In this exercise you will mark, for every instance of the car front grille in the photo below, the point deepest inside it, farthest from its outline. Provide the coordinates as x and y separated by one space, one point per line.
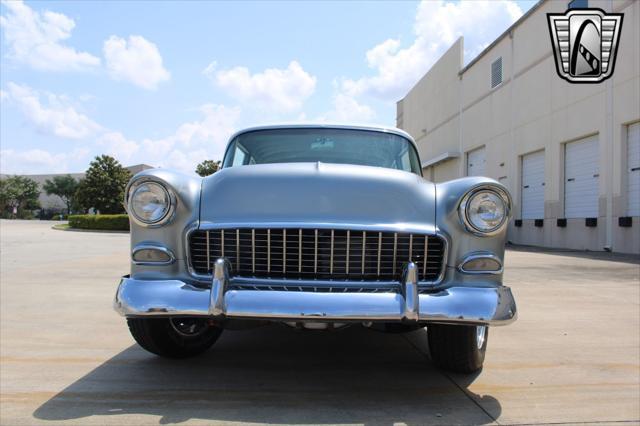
317 254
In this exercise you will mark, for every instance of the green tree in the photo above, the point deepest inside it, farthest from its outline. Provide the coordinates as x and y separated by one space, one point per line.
64 187
207 167
103 186
19 194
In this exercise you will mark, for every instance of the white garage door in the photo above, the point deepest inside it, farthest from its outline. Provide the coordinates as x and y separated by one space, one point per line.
633 170
476 162
533 186
581 172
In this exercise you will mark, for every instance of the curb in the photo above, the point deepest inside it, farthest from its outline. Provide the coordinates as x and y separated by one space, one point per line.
95 231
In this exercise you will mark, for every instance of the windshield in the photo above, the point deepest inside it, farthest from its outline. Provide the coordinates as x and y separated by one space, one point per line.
339 146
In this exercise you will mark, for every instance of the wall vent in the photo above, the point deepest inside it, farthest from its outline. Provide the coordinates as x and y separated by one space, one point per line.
496 72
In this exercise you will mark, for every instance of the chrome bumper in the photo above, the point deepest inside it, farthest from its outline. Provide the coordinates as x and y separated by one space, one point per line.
465 305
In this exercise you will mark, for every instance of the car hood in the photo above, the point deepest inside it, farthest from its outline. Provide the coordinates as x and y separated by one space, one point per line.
318 194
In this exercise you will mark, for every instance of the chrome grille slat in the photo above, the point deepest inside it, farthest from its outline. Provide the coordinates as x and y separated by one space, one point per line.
331 255
299 250
237 249
410 246
425 257
322 254
284 251
268 250
253 250
347 260
208 250
379 249
315 253
395 250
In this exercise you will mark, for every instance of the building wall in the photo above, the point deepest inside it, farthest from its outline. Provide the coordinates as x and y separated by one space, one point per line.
454 109
53 202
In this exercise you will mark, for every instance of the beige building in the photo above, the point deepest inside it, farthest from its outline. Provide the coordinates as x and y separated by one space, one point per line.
569 153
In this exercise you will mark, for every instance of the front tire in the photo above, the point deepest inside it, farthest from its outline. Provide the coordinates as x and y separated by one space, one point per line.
174 337
458 348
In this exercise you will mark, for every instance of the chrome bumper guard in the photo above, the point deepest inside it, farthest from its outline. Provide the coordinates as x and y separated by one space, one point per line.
465 305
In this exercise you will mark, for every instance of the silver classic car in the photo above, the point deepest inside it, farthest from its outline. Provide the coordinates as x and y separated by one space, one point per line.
316 227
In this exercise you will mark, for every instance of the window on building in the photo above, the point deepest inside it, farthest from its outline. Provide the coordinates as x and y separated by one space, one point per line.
496 72
578 4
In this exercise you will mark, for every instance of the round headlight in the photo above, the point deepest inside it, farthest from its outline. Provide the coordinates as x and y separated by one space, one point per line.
485 211
149 202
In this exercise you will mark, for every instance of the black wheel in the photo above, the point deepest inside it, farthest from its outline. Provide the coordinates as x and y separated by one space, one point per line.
174 337
458 348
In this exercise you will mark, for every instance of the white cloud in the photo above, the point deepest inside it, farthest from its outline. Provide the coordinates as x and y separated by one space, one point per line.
194 141
38 161
190 144
137 61
438 24
56 116
116 145
349 110
274 89
35 38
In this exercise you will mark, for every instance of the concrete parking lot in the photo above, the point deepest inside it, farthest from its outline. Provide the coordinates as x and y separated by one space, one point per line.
66 358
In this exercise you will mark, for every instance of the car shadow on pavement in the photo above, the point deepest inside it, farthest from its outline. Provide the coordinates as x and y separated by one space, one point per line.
275 374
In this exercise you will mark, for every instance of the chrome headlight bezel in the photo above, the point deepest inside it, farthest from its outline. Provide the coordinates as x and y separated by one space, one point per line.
170 195
463 210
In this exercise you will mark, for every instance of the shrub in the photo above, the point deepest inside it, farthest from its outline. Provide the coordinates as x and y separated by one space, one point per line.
111 222
51 214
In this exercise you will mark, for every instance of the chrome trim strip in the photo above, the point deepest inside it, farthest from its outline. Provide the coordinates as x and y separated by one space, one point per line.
389 227
152 246
189 229
455 305
222 243
481 255
277 282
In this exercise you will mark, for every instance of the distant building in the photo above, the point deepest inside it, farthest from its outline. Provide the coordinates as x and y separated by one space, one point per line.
53 202
569 153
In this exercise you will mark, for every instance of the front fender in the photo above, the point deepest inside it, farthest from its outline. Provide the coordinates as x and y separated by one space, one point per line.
462 242
170 235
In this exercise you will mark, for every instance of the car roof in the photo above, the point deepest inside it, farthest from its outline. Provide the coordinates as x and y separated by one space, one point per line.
370 127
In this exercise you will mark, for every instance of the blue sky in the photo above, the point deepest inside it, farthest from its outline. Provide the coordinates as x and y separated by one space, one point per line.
166 83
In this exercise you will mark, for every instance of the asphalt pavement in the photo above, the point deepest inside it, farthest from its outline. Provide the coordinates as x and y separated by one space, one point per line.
573 356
